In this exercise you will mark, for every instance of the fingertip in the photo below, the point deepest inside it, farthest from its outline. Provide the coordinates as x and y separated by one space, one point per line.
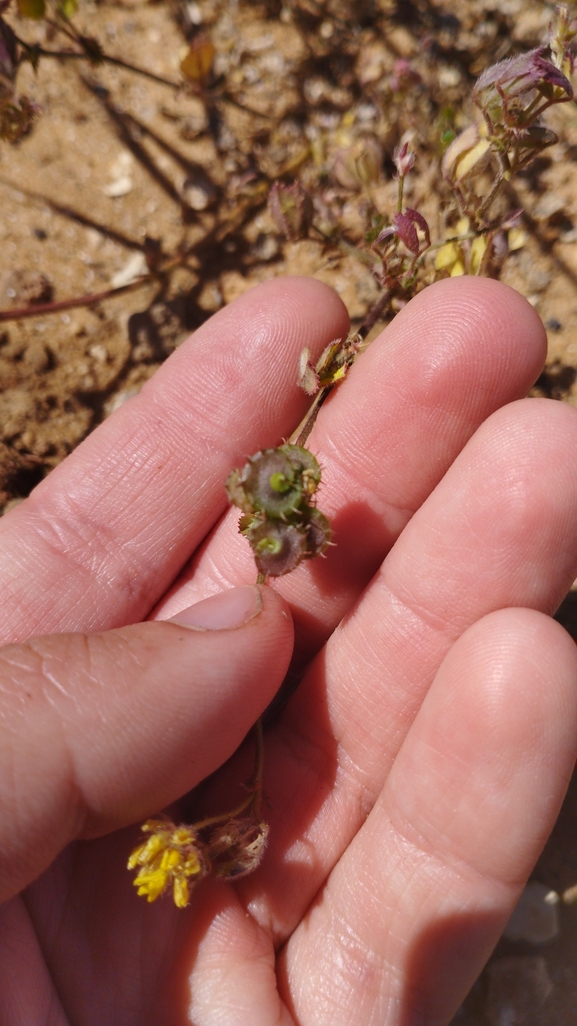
483 302
287 311
495 320
495 742
302 295
524 667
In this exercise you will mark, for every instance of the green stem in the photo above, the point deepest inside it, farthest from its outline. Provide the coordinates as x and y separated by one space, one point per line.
400 193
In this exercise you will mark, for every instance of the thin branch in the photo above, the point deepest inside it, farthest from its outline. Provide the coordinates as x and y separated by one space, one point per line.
373 315
68 304
300 436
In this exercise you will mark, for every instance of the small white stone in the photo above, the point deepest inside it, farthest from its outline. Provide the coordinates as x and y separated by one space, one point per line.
98 352
132 269
119 187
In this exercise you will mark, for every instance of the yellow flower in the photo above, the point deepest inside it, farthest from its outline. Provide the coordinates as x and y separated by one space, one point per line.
170 856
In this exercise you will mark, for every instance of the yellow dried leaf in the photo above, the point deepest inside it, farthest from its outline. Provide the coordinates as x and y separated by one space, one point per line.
32 8
196 65
472 161
447 256
478 250
516 239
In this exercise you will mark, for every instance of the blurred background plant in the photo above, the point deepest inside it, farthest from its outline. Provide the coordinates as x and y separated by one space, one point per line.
160 158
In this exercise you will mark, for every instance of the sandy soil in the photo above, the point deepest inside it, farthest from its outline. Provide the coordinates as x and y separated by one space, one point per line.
120 168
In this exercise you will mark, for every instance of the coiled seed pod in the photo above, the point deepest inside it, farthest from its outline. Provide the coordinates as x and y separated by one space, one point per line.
275 481
274 490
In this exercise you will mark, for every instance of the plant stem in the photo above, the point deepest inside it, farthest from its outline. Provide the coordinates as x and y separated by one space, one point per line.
255 787
256 784
401 187
373 315
300 436
68 304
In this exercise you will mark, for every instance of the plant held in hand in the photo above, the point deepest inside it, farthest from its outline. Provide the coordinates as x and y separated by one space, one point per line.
275 490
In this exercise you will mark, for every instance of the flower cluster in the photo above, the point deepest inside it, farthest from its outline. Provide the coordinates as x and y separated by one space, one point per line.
171 855
176 856
275 490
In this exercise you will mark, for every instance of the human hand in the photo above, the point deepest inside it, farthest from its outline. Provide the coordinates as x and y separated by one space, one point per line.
414 775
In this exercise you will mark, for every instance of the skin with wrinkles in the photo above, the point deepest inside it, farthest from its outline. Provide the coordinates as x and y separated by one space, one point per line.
412 778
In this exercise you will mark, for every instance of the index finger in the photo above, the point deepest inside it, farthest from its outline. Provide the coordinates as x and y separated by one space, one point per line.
97 544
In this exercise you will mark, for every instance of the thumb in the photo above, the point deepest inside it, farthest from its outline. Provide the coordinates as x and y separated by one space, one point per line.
99 730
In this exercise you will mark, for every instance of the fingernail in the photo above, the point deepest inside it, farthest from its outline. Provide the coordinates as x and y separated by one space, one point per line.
223 611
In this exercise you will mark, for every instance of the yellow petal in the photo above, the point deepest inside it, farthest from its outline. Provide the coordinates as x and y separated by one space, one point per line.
457 269
182 835
192 865
145 853
170 860
150 884
180 892
134 859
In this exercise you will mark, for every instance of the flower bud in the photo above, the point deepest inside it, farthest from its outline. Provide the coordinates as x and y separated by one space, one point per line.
403 159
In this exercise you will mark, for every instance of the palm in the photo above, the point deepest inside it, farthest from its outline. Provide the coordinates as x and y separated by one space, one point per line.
401 776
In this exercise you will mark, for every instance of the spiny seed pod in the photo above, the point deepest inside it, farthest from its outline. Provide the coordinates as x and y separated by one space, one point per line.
275 482
278 547
318 534
275 491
